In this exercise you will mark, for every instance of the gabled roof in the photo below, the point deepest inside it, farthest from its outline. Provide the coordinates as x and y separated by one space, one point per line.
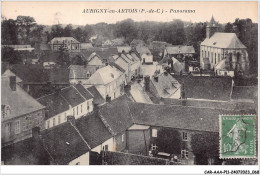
64 143
104 75
113 64
166 85
204 87
72 96
93 130
179 117
142 50
180 49
84 92
98 99
59 40
117 115
19 101
40 75
212 22
224 40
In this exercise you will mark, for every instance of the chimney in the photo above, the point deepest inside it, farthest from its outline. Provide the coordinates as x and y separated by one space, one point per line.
147 83
95 108
12 83
71 119
156 78
36 132
108 99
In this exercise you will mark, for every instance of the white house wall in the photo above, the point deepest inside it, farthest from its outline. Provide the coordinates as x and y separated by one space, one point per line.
82 160
110 144
63 115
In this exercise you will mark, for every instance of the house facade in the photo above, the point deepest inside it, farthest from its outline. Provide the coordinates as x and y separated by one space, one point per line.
109 81
74 100
20 112
69 43
95 62
220 46
131 63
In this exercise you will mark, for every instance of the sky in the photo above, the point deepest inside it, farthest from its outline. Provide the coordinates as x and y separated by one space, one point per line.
48 13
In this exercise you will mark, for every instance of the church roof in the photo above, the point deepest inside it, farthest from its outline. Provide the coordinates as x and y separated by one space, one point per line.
212 22
224 40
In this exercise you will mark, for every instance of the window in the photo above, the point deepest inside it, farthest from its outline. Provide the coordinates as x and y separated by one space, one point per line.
184 154
48 124
81 108
154 146
8 129
154 132
59 119
88 104
54 121
202 53
17 127
27 123
184 136
123 136
78 163
77 110
106 147
73 112
65 116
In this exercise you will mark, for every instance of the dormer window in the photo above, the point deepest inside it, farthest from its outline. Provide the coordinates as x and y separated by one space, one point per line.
214 43
112 75
6 111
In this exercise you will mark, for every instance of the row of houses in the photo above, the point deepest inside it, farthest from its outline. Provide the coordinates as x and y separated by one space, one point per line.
118 126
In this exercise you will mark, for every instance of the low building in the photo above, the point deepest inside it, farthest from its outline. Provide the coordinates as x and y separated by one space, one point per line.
74 100
38 81
179 52
69 43
20 112
145 54
20 47
85 46
109 81
163 85
131 63
78 74
95 62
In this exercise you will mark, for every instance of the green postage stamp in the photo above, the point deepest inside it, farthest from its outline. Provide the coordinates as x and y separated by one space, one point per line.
237 136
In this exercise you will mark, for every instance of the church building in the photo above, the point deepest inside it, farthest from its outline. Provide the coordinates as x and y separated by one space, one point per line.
222 52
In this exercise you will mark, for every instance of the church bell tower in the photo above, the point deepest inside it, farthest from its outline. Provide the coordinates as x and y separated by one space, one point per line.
211 28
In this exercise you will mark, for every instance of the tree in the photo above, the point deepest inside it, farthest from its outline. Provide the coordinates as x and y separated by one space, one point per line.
36 34
57 31
169 141
9 55
64 58
77 60
9 32
25 23
205 147
126 29
68 30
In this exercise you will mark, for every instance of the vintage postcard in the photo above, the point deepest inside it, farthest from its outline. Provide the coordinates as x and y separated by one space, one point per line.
129 83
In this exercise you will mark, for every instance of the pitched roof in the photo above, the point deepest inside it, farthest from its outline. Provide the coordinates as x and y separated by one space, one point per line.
40 75
203 87
71 95
77 71
180 49
64 143
224 40
104 75
19 101
126 49
59 40
98 99
244 92
93 130
117 114
142 50
113 64
166 85
55 104
83 91
179 117
212 22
